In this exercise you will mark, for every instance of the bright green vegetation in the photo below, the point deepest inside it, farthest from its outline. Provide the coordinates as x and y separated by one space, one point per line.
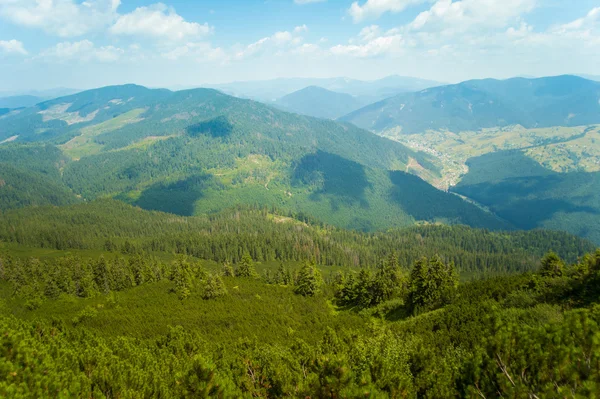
319 102
199 151
84 145
135 325
530 196
477 104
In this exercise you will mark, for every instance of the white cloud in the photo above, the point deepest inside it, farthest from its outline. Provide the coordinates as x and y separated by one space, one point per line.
466 14
376 8
64 18
375 47
82 51
277 42
201 52
301 28
369 33
12 46
158 21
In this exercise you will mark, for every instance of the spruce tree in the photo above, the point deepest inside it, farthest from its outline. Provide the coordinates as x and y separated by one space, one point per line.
309 280
246 267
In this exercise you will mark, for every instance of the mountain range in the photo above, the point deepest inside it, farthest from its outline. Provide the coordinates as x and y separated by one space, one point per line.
369 91
552 101
198 151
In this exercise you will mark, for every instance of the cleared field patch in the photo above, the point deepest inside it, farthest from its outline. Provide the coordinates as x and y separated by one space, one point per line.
83 144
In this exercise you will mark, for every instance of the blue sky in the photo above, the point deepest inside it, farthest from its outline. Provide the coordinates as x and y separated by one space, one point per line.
176 43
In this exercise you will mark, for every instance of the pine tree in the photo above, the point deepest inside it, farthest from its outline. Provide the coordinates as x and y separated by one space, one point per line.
214 287
309 280
182 277
228 270
246 267
552 265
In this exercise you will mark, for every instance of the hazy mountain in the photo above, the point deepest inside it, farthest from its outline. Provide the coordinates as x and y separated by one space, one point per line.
20 101
319 102
552 101
199 151
370 91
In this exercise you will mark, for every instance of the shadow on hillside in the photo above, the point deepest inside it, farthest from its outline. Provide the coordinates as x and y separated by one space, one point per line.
177 197
219 127
528 202
343 182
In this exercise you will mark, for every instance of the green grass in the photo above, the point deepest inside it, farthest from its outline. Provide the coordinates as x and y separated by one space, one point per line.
83 145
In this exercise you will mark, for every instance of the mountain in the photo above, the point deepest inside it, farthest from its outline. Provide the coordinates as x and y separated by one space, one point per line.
473 105
20 101
201 151
369 91
318 102
520 190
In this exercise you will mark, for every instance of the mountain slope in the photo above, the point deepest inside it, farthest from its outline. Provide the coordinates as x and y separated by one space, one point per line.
472 105
318 102
200 151
521 191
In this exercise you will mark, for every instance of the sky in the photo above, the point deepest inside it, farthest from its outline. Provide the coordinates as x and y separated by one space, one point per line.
184 43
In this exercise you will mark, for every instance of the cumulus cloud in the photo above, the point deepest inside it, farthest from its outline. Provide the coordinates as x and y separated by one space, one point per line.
64 18
158 21
376 8
12 47
466 14
277 42
83 51
378 46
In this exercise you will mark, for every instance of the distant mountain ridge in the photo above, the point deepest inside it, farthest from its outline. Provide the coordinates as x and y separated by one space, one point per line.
370 91
319 102
543 102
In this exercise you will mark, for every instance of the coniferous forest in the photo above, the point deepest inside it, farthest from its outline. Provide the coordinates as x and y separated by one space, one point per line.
313 229
107 300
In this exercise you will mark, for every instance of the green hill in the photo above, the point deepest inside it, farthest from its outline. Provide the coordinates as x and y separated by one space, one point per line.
320 103
200 151
530 196
476 104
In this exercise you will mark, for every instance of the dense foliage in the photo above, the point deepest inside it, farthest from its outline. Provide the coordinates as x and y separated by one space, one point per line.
523 335
268 236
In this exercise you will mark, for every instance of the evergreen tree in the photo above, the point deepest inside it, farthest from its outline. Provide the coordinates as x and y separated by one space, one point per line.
309 280
228 270
182 277
246 267
552 265
432 284
214 287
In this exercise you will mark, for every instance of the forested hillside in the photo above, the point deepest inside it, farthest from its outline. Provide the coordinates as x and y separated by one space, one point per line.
530 196
129 323
477 104
201 151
